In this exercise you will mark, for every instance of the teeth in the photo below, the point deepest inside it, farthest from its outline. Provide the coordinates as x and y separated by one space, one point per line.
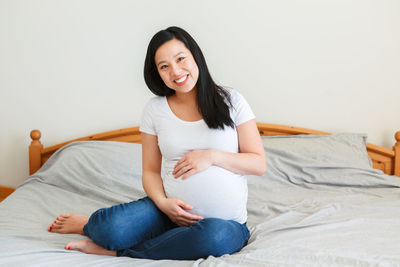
181 79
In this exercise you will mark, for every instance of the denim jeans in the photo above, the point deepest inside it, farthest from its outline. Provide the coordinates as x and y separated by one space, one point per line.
140 230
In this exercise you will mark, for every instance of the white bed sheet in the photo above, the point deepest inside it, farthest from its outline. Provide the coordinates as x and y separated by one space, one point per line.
302 211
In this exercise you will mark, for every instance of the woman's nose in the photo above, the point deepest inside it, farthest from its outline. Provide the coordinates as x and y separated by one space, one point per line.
175 69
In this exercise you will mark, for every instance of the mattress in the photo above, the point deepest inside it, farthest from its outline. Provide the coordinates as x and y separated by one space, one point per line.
319 204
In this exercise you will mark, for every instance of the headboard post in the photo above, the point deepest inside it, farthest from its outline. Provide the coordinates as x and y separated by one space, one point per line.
396 149
35 151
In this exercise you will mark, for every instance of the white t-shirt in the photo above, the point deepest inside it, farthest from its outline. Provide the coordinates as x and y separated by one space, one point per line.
215 192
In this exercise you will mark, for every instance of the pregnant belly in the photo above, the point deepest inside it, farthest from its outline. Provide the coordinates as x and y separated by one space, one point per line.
214 192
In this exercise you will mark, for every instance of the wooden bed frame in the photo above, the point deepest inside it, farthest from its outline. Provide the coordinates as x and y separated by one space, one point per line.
384 159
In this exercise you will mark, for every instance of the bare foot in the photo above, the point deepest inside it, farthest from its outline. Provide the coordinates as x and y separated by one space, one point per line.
69 223
89 247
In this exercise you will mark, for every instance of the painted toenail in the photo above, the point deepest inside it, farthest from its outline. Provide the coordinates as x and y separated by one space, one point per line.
68 247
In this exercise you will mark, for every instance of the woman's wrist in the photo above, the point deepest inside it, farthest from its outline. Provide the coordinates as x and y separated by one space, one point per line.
159 200
215 156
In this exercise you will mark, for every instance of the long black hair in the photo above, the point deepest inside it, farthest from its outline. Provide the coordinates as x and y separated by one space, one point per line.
213 100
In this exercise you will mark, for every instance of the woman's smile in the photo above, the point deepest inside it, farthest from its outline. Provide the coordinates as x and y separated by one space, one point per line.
181 81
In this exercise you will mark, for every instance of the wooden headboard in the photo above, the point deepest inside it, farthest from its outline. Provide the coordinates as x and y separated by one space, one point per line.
384 159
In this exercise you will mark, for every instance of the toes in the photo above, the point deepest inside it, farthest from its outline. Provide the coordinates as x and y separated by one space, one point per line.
52 226
58 221
68 223
63 216
68 246
59 229
88 246
55 228
75 245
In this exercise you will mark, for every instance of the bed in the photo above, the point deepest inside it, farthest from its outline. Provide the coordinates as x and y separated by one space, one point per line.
325 200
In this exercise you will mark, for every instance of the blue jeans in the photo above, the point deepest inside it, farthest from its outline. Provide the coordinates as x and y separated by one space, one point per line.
140 230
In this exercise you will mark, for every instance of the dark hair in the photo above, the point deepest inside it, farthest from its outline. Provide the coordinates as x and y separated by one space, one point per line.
213 100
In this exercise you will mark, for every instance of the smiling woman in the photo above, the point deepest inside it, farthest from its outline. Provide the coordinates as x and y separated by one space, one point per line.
176 66
208 139
178 70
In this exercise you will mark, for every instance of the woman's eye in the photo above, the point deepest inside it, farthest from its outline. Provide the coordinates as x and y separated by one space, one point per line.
180 59
163 67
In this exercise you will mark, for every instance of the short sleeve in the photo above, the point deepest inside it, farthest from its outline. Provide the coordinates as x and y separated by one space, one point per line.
241 112
147 120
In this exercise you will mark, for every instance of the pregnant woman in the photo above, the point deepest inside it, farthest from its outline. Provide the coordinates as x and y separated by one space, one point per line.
207 138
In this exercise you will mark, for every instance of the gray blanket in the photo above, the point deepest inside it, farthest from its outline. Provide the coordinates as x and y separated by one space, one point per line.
311 208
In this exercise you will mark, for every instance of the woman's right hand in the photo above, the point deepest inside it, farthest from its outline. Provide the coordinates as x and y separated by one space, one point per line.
175 209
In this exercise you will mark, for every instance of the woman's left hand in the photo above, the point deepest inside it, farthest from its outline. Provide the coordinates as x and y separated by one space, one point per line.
193 162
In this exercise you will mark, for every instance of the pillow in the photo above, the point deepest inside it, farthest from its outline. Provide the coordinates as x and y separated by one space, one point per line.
334 160
323 160
103 170
344 149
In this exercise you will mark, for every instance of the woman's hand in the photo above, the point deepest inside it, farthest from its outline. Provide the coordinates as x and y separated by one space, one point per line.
192 162
175 209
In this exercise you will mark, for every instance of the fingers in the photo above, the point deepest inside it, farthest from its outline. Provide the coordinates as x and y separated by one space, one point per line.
176 209
190 217
181 160
184 205
181 168
183 171
187 174
192 162
185 222
186 217
179 163
183 165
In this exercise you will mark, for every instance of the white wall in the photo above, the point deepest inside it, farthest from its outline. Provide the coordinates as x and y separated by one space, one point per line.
74 68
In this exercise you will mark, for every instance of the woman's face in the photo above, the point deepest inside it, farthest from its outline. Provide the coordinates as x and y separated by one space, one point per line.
176 66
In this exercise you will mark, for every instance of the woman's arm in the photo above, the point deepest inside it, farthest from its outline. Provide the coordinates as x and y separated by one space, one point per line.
251 156
249 160
151 166
153 185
